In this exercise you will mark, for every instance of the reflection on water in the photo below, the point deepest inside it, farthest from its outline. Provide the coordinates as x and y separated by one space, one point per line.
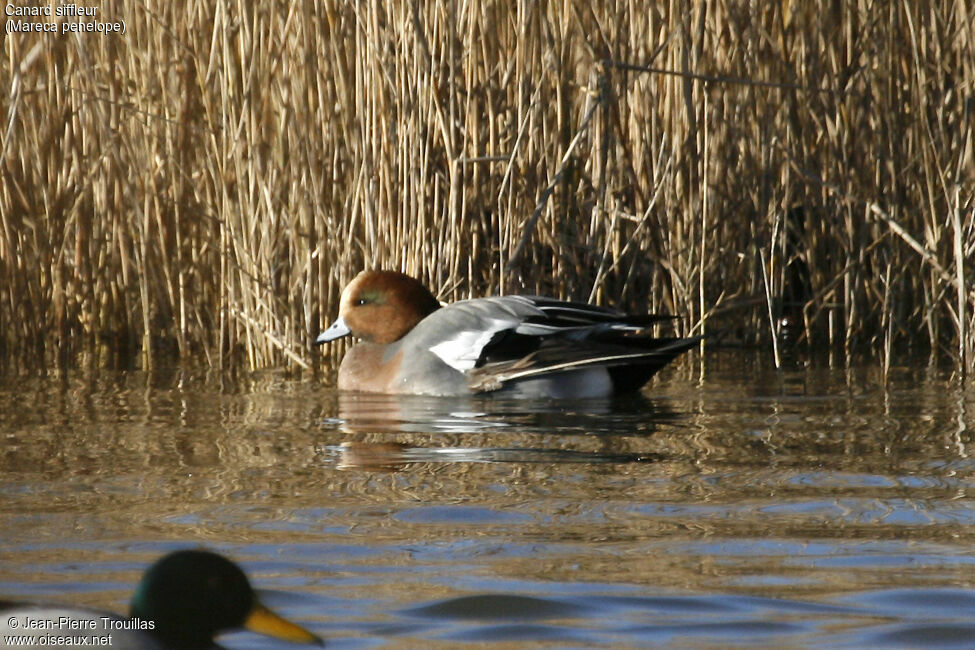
814 506
363 412
391 455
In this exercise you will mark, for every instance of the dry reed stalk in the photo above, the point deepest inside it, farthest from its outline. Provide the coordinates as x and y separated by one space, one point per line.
209 181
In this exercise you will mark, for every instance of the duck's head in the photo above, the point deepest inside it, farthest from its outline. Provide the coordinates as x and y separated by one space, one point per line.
380 307
190 596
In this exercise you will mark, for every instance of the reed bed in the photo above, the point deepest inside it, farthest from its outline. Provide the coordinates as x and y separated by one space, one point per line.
205 184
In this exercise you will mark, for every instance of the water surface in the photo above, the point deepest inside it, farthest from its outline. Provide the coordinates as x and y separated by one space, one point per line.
729 505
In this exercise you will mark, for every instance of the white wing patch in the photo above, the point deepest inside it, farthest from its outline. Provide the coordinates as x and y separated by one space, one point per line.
462 350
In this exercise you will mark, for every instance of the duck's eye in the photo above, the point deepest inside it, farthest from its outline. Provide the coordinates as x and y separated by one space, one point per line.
368 298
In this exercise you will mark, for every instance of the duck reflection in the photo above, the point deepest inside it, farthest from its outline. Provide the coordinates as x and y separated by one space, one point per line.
371 412
485 430
391 456
373 456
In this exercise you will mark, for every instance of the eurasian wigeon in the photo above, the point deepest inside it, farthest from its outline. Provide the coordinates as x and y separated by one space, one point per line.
523 346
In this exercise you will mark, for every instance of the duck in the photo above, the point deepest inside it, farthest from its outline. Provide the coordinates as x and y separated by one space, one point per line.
514 345
182 602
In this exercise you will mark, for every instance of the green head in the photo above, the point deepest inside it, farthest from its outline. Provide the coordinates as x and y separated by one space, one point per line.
191 596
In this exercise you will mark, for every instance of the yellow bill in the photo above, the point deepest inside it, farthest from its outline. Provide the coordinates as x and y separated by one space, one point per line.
264 621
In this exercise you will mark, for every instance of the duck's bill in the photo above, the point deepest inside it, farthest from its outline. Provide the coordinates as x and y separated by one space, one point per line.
264 621
336 330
